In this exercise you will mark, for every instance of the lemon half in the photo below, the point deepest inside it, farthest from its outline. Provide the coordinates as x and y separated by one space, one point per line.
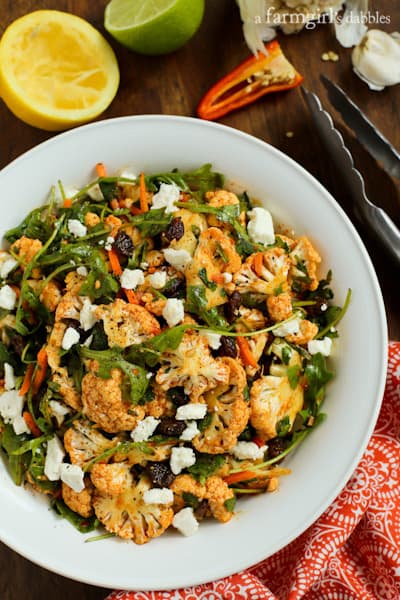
56 70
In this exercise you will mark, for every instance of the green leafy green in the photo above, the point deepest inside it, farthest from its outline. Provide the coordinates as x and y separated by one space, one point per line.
283 426
200 180
108 188
17 463
36 225
205 466
317 376
230 503
152 222
190 500
196 302
293 374
204 278
150 351
203 423
82 524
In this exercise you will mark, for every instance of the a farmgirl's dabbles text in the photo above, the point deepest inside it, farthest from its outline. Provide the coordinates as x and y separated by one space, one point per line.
162 349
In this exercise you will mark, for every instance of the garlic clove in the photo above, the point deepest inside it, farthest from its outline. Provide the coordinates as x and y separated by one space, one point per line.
376 60
350 27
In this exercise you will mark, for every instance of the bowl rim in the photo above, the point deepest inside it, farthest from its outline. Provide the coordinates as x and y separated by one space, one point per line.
239 563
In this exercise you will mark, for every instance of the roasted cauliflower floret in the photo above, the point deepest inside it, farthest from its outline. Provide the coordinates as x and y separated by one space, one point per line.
26 248
104 404
250 319
257 345
192 366
69 306
194 224
111 479
217 493
73 282
79 502
126 324
51 296
279 307
271 400
264 277
304 255
229 412
91 219
67 389
160 406
307 331
84 443
186 484
214 255
129 517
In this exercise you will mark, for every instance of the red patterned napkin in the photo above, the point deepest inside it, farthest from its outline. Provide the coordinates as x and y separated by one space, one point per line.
351 553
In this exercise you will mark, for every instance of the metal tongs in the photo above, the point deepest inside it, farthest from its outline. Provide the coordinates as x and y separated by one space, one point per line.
376 144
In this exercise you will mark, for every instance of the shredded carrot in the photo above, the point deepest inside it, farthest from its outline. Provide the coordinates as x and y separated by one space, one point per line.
259 263
242 476
258 441
26 384
67 203
218 278
114 204
246 353
135 210
144 206
101 170
114 262
29 420
131 296
40 371
184 197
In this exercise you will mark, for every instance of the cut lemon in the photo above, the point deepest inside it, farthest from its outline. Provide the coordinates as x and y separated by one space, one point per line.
56 70
153 27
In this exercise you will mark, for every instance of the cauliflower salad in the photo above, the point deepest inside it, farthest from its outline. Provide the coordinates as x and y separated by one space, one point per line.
162 349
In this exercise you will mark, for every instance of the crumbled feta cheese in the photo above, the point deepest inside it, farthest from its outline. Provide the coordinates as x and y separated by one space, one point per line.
248 451
260 226
9 378
87 342
158 279
290 328
323 346
70 191
166 197
72 475
190 432
109 243
185 521
71 337
191 411
158 496
173 311
227 277
76 228
144 265
20 426
213 339
131 278
181 458
8 297
54 458
177 258
144 429
126 174
82 271
87 317
7 264
58 410
95 193
11 404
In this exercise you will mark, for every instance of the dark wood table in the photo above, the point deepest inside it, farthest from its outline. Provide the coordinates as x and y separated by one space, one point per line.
173 85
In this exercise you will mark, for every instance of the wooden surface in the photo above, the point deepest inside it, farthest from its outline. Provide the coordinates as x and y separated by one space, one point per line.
173 85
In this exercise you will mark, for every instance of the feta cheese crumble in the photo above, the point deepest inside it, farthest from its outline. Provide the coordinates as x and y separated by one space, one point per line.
166 197
323 346
72 475
87 317
158 496
58 410
158 279
191 411
109 243
227 277
177 258
11 404
190 432
54 458
131 278
185 521
213 339
173 311
248 451
76 228
95 193
260 226
7 264
20 426
181 458
82 271
144 429
71 337
9 378
8 297
290 328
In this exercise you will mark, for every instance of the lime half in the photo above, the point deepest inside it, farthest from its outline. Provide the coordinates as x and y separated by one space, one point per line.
153 26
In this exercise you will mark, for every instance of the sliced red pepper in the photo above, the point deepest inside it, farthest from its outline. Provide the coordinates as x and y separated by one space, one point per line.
255 77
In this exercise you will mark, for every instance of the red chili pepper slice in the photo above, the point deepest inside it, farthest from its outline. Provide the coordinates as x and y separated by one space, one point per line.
255 77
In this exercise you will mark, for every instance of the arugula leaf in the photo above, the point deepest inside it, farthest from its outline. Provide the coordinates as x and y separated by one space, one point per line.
293 374
204 278
230 503
196 302
227 214
190 500
82 524
108 189
36 225
150 351
245 203
205 466
200 180
203 423
17 463
108 285
317 376
283 426
152 222
4 357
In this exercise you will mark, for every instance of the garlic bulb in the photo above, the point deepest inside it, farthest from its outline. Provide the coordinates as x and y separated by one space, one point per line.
376 60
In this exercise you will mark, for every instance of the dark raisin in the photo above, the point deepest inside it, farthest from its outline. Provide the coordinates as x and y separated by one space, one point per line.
316 309
17 343
175 288
275 447
228 347
177 396
160 474
231 308
170 427
175 230
123 244
202 510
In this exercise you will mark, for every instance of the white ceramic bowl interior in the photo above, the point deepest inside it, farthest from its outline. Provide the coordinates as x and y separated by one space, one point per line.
322 465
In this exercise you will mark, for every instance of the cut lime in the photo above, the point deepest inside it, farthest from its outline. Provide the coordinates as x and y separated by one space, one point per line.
153 26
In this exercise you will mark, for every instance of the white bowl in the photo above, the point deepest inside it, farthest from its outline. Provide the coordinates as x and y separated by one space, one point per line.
322 465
